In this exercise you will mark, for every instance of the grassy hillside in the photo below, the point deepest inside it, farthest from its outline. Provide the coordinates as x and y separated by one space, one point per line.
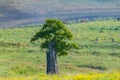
99 51
91 76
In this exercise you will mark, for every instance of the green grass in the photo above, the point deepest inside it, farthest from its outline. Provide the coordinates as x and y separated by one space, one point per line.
20 57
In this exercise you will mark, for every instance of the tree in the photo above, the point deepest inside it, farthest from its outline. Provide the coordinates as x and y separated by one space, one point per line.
56 39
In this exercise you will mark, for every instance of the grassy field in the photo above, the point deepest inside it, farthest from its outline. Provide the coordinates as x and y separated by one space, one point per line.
92 76
99 51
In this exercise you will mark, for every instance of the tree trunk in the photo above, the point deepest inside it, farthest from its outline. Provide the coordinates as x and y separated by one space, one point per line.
51 55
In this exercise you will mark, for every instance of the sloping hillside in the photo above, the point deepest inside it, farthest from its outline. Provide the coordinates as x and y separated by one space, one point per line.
99 50
24 12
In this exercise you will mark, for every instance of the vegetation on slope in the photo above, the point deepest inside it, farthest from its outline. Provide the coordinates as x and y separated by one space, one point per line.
92 76
99 51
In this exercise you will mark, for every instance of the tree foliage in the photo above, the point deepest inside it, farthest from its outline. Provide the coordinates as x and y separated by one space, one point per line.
54 31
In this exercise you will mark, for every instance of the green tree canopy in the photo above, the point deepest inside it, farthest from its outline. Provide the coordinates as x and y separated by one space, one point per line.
56 38
55 31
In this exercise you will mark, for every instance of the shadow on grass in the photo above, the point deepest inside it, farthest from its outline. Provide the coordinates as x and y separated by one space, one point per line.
115 54
93 67
14 44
